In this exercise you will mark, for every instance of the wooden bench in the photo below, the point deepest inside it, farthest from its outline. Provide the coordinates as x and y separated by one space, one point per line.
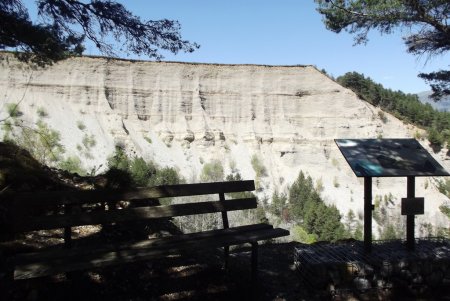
70 256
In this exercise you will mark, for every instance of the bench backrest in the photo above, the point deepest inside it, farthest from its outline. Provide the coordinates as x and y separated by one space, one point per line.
22 220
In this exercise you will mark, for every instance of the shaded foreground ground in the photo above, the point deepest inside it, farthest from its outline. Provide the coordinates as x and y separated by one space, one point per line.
197 277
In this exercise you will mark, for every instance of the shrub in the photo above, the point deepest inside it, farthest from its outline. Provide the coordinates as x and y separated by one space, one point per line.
13 110
278 204
141 171
233 165
7 128
42 112
417 135
382 116
435 138
319 185
212 172
81 126
118 178
119 160
335 162
72 165
166 176
389 232
258 166
300 235
445 209
88 141
444 186
335 182
148 139
42 142
310 212
233 177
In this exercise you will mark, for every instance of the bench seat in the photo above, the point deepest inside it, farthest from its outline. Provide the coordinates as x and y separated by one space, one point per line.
53 261
72 256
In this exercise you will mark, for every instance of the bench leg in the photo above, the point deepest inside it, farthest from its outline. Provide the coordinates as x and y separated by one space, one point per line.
226 255
254 262
6 282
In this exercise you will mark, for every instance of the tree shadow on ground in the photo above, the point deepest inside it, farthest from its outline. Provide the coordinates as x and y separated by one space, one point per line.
194 276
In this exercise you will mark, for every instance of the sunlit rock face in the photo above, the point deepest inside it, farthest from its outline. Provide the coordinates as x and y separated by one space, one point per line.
186 115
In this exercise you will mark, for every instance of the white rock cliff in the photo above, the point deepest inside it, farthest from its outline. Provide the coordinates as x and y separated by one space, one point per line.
184 115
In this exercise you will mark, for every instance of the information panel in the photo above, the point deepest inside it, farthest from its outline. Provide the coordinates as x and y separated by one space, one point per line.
389 158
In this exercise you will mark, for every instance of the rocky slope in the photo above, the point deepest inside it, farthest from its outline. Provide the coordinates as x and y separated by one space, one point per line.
186 115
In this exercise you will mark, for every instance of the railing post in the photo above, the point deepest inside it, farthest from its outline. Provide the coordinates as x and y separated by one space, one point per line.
67 230
254 262
226 225
368 207
410 193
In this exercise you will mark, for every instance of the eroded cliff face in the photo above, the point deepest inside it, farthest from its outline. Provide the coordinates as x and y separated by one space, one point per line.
185 115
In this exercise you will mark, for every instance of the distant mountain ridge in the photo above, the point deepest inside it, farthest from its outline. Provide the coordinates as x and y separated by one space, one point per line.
441 105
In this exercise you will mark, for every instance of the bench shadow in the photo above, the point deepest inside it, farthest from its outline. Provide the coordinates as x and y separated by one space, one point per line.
191 276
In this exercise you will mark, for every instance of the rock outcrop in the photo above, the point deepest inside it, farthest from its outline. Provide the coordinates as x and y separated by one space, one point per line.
185 114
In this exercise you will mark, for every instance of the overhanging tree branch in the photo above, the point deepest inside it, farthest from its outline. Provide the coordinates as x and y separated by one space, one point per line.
428 20
67 23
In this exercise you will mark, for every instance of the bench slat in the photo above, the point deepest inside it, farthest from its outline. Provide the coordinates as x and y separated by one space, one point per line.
55 252
22 208
87 261
141 213
52 198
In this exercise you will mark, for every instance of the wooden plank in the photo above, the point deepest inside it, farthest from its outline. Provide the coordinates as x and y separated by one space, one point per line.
226 225
68 230
51 198
131 214
87 261
51 253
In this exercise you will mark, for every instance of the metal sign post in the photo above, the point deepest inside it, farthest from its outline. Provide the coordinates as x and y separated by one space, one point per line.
368 207
370 158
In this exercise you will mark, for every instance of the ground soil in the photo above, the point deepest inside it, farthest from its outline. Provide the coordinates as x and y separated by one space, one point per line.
197 276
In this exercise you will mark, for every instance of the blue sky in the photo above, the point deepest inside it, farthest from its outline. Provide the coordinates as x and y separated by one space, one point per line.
284 32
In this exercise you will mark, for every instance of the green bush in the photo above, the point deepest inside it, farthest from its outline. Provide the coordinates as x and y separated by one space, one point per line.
278 204
445 209
42 142
42 112
148 139
119 160
309 211
13 110
300 235
382 116
444 186
258 166
88 141
335 182
233 177
212 172
436 139
118 178
81 126
141 171
166 176
7 128
389 232
72 165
